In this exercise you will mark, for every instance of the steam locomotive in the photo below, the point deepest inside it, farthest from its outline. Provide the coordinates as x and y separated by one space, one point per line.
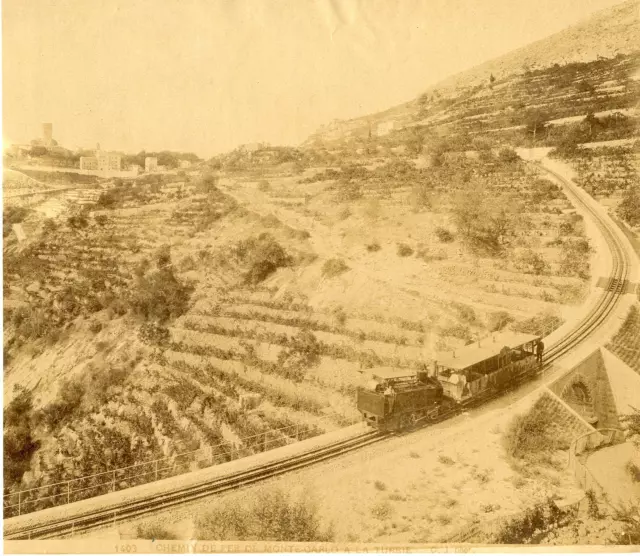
400 399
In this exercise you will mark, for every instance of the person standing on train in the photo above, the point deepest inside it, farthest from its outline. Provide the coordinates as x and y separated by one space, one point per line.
539 351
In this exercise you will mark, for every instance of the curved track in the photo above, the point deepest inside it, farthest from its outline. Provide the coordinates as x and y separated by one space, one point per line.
610 297
91 520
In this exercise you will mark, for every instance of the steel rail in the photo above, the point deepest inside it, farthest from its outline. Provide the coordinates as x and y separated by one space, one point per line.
611 296
154 502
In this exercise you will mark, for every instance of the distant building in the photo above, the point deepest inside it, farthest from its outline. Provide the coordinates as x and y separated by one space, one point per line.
150 164
250 147
103 161
47 134
88 163
185 163
384 128
108 161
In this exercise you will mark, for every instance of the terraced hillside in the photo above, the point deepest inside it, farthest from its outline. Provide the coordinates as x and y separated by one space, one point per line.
626 344
611 174
532 106
158 325
93 374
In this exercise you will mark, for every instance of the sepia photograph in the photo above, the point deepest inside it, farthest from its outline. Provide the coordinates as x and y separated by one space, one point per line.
321 276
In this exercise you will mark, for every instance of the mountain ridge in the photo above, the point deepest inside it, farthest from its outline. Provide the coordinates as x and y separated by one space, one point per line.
604 34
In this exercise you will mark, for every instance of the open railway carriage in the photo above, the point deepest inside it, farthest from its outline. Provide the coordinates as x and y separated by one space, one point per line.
401 398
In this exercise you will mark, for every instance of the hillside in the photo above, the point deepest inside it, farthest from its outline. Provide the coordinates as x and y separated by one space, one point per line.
199 317
605 35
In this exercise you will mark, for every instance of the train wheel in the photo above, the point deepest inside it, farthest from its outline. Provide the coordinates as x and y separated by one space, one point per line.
408 421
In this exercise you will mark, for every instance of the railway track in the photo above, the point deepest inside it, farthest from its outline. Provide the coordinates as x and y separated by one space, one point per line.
99 518
66 526
611 295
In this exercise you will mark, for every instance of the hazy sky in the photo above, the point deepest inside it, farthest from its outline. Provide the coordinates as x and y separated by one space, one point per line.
207 75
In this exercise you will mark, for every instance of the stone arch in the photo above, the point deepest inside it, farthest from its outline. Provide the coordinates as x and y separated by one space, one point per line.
578 395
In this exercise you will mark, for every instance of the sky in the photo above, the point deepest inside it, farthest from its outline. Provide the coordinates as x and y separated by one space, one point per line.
204 76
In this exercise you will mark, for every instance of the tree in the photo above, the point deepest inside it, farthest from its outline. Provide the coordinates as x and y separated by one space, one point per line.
484 225
574 260
632 424
629 207
160 296
415 141
508 156
37 150
18 445
535 122
492 79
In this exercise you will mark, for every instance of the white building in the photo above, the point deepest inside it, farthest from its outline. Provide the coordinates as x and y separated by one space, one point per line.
88 163
108 161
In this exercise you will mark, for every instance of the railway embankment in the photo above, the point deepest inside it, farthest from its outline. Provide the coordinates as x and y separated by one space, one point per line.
117 506
615 264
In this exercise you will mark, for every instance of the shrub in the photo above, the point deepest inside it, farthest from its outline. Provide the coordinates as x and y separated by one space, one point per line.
101 219
629 207
18 447
508 156
483 476
630 517
532 524
163 256
530 262
303 352
263 255
348 191
64 406
445 460
631 421
544 191
382 510
77 222
633 471
160 296
334 267
13 215
574 258
264 185
272 516
498 320
443 235
340 316
533 435
154 334
421 196
373 247
404 250
380 485
542 323
465 312
154 531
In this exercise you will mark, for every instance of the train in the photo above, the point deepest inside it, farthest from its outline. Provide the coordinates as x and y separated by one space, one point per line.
400 399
